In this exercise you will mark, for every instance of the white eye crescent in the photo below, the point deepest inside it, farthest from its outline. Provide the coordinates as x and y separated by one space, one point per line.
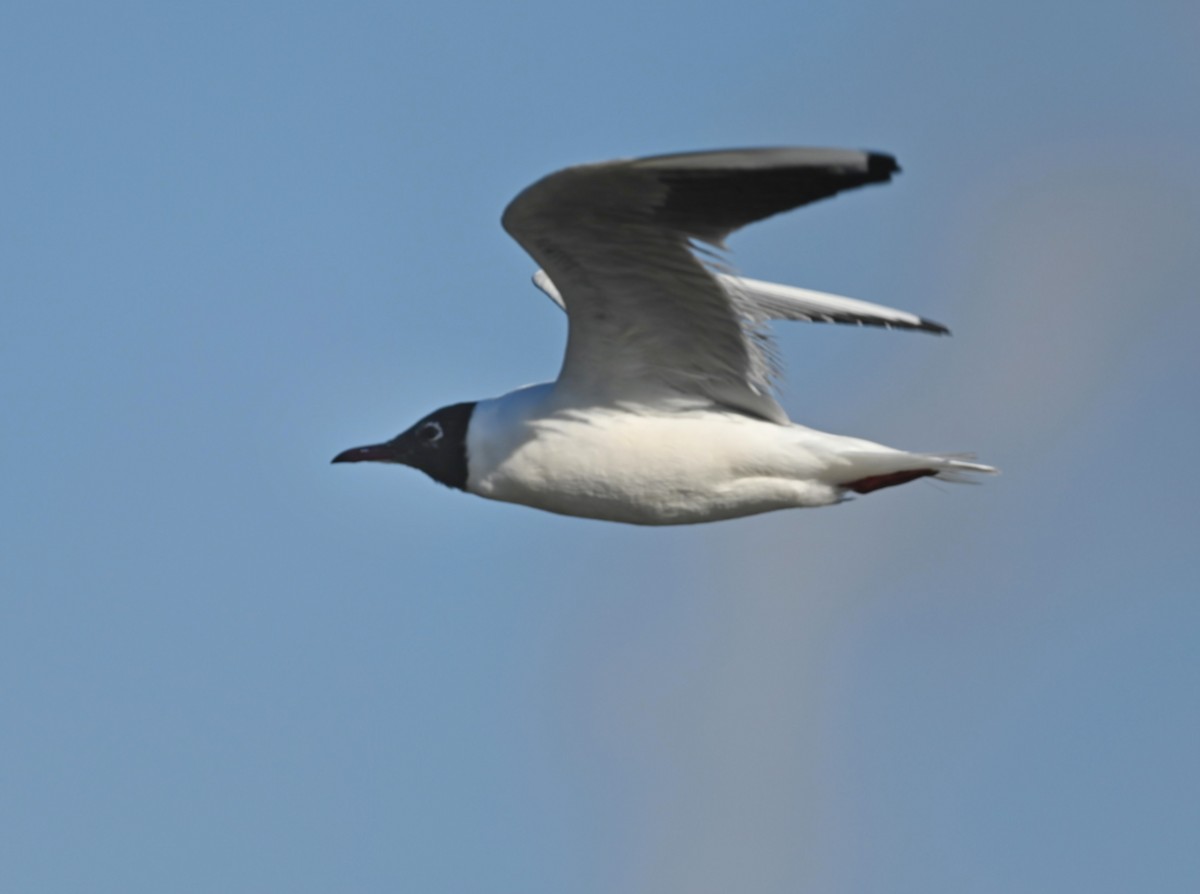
430 432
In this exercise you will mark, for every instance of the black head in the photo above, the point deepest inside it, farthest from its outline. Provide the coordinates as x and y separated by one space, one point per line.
437 445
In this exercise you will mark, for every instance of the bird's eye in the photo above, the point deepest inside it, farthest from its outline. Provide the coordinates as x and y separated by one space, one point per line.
430 432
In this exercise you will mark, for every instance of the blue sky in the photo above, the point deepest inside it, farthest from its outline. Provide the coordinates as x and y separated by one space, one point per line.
236 238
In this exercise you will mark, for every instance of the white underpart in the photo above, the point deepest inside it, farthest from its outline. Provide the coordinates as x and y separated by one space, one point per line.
664 464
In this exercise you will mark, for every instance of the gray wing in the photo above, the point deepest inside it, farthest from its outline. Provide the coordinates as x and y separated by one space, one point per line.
773 301
648 320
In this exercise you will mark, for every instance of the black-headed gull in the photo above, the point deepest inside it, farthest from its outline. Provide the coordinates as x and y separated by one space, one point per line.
663 411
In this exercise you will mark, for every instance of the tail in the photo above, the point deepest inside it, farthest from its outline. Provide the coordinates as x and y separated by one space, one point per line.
956 468
953 467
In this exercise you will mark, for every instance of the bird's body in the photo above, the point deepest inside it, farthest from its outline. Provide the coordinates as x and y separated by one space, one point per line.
645 465
663 412
656 465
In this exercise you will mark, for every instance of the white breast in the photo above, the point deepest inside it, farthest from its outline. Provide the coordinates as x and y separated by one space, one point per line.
663 466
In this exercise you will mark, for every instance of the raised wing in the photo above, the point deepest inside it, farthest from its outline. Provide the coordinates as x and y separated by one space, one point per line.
648 319
773 301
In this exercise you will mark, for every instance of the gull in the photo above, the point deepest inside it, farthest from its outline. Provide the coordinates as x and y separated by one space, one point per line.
663 412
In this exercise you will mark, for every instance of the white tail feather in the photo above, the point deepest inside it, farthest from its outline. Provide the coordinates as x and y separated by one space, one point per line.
954 467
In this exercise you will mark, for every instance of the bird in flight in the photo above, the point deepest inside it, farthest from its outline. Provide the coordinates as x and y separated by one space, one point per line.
663 411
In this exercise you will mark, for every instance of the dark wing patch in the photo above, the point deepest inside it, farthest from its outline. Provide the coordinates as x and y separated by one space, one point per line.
710 202
853 320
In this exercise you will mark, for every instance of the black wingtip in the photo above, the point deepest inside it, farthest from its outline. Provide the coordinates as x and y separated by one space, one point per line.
931 326
881 167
